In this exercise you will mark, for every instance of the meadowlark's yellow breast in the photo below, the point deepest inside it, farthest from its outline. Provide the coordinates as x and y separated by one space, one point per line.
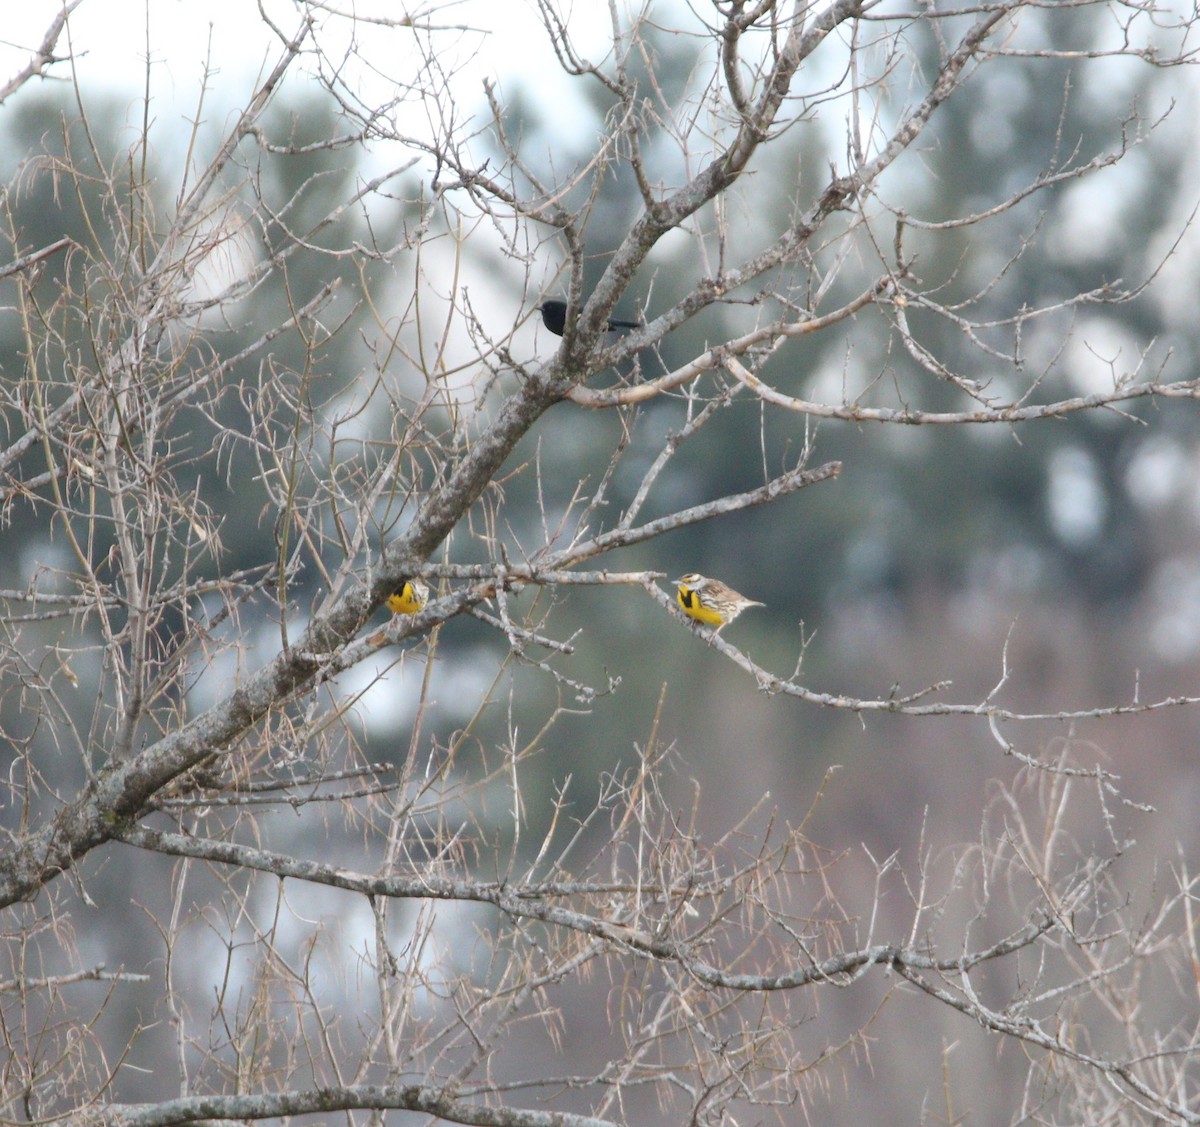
409 599
693 607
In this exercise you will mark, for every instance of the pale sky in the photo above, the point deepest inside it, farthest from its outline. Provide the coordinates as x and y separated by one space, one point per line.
111 39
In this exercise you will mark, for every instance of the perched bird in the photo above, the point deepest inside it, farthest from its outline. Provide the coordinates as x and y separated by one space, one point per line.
410 597
710 601
554 317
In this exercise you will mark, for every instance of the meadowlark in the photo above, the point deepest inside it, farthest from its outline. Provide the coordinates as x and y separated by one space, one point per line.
710 601
410 597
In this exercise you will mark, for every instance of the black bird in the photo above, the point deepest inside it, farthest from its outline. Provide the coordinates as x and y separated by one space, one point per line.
554 317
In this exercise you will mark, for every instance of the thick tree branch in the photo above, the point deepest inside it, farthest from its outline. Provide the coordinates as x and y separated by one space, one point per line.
532 903
43 57
334 1098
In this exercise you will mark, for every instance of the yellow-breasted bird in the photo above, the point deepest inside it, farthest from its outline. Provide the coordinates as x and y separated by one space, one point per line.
410 597
710 601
